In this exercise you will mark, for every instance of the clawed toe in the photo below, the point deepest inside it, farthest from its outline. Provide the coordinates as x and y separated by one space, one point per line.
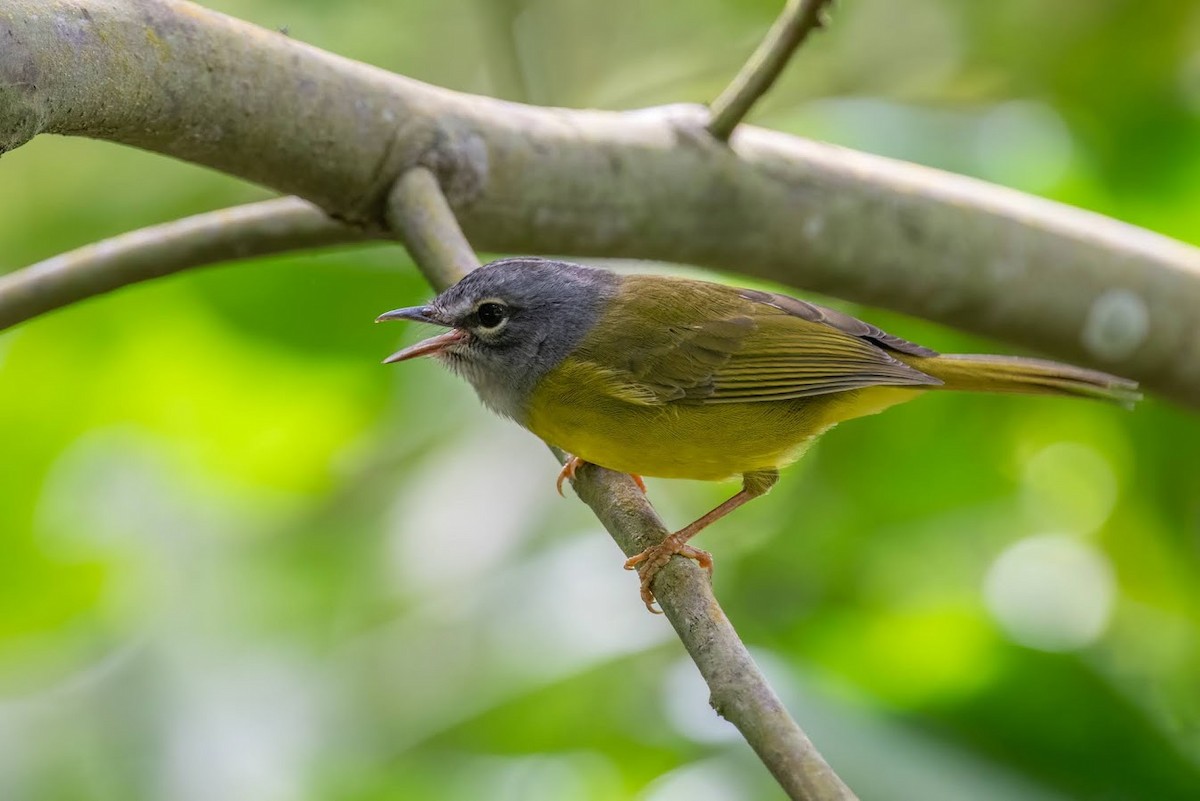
573 463
653 559
569 467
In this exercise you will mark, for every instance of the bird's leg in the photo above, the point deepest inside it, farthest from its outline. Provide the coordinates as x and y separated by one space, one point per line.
653 559
573 463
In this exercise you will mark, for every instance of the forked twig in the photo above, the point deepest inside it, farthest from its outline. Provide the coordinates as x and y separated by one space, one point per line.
795 22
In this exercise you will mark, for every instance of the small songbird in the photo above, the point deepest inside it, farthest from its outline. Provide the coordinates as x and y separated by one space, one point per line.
677 378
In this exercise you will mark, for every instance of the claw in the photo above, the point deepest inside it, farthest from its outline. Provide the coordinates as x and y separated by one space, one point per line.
573 463
653 559
569 467
650 561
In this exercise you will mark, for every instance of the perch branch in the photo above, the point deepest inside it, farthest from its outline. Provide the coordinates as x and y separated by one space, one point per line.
256 229
738 691
795 22
418 211
174 78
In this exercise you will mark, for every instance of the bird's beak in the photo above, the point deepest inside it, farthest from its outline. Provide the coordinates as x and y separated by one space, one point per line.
427 347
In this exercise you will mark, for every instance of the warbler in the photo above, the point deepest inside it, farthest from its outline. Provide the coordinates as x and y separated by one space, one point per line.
678 378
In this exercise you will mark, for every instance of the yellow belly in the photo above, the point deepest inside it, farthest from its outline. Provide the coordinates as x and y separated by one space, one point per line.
573 409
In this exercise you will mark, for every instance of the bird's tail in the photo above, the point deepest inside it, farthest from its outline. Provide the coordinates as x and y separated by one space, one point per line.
1029 376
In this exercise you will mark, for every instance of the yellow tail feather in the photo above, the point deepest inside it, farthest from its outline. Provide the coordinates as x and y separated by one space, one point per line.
1030 376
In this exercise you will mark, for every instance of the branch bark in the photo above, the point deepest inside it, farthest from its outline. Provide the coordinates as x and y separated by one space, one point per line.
739 691
798 19
169 76
241 232
419 214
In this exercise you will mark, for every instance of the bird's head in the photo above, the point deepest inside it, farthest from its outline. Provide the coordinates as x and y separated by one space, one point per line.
509 323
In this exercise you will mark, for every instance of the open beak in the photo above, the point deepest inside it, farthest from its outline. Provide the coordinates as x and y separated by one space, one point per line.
428 347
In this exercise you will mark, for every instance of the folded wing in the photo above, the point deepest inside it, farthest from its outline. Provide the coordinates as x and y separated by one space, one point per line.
718 344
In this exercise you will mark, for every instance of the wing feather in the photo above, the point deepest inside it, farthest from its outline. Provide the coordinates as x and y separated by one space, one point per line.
718 344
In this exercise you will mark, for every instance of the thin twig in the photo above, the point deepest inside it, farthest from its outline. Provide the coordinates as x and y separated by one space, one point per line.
505 66
420 216
795 22
419 213
256 229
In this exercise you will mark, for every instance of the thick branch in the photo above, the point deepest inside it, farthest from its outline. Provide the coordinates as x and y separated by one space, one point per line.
256 229
175 78
795 22
739 690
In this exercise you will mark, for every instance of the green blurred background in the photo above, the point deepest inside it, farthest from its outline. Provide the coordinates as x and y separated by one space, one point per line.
239 559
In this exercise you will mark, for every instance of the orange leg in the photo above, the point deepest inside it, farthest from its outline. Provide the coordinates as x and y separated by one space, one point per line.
653 559
573 463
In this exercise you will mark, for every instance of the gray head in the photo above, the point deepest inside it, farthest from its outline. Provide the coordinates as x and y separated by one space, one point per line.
510 322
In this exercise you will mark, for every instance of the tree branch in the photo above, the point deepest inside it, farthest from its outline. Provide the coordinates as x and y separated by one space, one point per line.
256 229
172 77
795 22
420 216
739 691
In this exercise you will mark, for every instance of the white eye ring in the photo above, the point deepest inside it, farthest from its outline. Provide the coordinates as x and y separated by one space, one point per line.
492 314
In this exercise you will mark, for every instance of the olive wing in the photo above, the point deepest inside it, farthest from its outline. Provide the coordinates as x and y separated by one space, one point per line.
717 344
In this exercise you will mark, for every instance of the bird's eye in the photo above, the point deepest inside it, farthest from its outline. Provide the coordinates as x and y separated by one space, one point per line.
491 314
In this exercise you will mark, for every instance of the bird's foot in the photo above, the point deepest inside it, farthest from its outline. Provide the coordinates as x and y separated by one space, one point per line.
653 559
569 467
573 463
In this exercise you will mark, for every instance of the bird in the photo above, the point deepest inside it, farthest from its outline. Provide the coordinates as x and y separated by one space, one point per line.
673 377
